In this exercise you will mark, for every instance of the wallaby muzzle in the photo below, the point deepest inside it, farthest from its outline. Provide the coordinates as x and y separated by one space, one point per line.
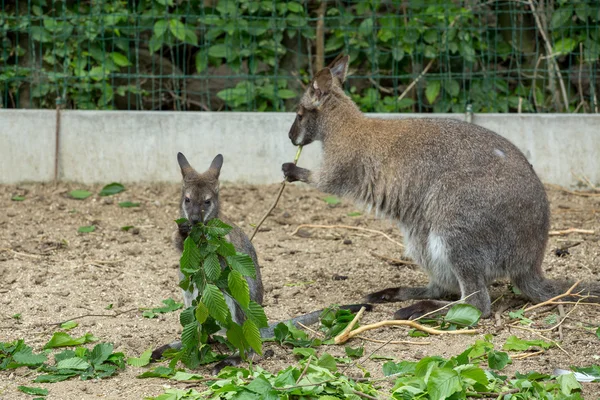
296 136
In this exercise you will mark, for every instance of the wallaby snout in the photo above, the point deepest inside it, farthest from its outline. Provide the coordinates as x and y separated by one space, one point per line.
293 134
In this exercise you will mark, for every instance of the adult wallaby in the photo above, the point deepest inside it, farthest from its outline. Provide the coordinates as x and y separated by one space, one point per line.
467 201
200 203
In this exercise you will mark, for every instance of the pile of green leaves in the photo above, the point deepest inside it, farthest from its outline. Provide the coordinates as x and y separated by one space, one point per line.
212 265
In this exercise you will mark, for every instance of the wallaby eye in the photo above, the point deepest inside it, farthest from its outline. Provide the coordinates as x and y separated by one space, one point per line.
207 202
187 199
299 117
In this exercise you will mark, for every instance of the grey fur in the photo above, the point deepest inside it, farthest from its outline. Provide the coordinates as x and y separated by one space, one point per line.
467 201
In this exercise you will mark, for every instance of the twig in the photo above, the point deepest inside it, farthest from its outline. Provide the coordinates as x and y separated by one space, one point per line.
446 306
533 82
527 355
583 194
305 369
309 329
364 395
305 385
413 83
276 199
571 230
381 88
393 341
102 262
553 60
579 85
561 312
549 301
344 338
93 315
351 325
21 254
320 36
356 228
394 261
366 357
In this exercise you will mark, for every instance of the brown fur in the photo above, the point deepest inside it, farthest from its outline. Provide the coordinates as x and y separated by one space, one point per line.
467 201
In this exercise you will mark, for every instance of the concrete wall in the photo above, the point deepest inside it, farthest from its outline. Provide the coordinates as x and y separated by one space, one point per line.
101 147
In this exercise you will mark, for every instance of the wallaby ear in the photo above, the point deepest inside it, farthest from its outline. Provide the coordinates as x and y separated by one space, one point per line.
339 67
185 166
321 84
215 166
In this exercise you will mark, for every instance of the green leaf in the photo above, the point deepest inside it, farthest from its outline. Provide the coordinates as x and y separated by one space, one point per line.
158 372
190 258
497 359
354 214
235 335
17 198
216 227
186 376
215 302
432 91
565 46
217 51
286 94
354 352
598 332
190 36
452 87
295 7
568 383
69 325
142 361
443 383
54 378
112 188
80 194
75 363
331 200
463 314
305 352
17 316
189 335
187 316
126 227
561 17
100 353
201 61
327 361
252 335
62 339
128 204
160 27
26 357
177 28
257 314
86 229
33 390
366 27
120 59
201 312
514 343
212 267
238 287
243 264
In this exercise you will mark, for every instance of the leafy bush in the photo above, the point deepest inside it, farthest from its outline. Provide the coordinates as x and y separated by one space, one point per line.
254 55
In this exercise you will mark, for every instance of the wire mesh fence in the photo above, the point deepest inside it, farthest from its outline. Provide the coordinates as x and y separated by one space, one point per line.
406 55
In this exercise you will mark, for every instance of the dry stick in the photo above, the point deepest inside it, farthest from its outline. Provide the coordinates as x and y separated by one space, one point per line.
351 325
395 261
393 341
432 331
305 369
56 142
561 312
364 395
320 37
549 301
527 355
413 83
21 254
276 199
356 228
553 60
317 334
446 306
93 315
535 331
571 230
582 194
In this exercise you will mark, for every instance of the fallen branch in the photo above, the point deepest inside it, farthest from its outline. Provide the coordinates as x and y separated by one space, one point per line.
305 369
393 341
527 355
92 315
417 79
356 228
20 254
571 230
276 199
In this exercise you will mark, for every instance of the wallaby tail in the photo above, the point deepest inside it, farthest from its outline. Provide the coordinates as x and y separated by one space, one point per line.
309 319
539 289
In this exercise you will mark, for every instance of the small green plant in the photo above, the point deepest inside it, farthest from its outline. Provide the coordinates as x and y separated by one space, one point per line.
112 188
211 264
79 194
128 204
86 229
170 305
69 325
17 198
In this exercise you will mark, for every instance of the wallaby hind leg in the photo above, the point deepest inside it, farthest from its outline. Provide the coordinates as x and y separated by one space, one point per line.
402 293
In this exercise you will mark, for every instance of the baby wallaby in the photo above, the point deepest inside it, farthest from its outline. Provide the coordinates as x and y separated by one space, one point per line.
200 203
467 201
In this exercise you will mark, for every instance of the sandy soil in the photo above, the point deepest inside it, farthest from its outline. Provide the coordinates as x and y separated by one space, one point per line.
50 273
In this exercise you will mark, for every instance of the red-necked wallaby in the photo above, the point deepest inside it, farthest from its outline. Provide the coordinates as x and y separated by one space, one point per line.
467 201
200 203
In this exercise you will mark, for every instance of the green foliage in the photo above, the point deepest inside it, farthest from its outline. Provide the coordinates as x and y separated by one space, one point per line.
112 188
211 264
463 315
62 339
142 360
331 200
256 54
33 390
17 354
128 204
170 305
17 198
86 229
514 343
80 194
69 325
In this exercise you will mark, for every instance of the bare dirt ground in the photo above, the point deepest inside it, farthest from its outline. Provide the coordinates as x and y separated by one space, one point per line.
50 273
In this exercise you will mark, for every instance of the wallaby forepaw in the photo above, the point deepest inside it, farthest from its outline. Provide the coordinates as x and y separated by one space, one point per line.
158 353
383 296
290 172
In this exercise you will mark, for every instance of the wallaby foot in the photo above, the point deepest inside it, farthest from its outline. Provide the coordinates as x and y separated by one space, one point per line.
419 309
235 360
404 293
